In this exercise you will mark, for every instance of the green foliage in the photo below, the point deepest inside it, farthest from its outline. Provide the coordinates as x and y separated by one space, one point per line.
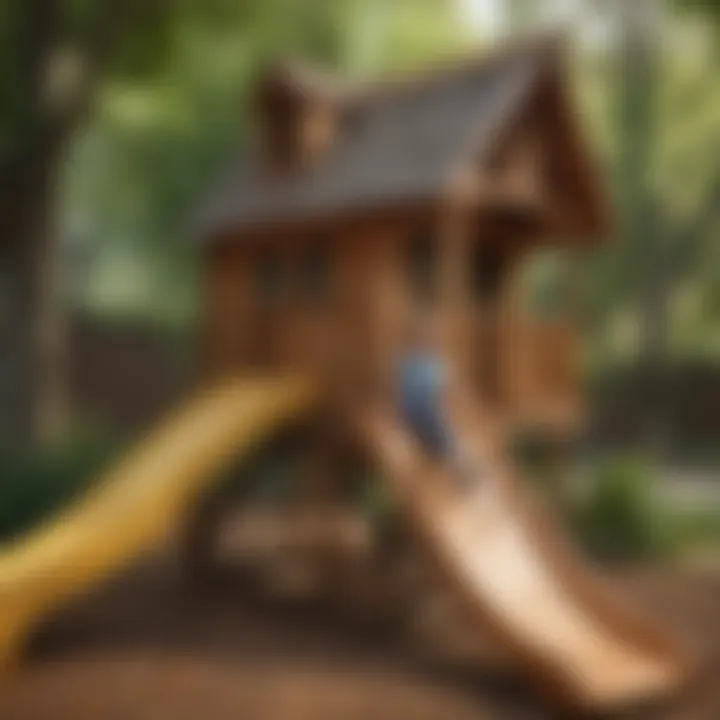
158 140
655 117
35 485
706 9
375 498
698 529
619 517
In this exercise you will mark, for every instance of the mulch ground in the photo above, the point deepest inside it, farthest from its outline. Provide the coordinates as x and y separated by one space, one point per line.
149 647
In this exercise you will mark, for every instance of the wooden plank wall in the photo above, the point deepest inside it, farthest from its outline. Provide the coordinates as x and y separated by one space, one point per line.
347 339
226 310
352 339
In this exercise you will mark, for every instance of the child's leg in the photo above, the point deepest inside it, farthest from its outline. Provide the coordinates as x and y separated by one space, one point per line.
444 444
437 439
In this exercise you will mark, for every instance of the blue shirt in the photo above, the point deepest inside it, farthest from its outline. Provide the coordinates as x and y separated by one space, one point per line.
422 378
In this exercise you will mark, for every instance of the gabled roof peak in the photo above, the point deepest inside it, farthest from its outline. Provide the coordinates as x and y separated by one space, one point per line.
545 48
396 141
299 77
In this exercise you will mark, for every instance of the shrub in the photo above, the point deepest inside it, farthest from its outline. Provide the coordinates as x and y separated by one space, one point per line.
35 484
698 529
375 499
619 517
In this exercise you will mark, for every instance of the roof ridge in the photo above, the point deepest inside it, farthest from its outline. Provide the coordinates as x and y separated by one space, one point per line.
548 44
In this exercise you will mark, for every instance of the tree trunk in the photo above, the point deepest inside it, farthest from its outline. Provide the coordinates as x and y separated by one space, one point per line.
638 82
32 365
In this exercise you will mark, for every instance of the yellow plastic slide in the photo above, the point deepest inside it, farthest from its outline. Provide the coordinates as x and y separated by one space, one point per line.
138 501
521 585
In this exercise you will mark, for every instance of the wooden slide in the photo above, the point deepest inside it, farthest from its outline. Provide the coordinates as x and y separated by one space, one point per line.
136 503
521 583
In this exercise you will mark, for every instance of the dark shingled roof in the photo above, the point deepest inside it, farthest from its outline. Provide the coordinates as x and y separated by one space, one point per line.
399 144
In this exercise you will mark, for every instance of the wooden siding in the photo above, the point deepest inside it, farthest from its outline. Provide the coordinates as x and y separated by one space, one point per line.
351 337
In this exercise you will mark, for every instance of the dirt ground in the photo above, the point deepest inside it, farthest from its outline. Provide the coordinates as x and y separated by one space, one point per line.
148 646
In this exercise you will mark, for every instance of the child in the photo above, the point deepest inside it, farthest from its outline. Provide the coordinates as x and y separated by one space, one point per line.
423 382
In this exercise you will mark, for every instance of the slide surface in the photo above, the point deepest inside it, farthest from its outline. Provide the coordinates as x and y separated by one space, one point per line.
137 502
521 584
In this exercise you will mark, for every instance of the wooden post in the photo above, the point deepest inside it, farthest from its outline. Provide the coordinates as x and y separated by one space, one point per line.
454 224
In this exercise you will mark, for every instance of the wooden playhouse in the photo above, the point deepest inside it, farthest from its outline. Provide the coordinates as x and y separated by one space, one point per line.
355 204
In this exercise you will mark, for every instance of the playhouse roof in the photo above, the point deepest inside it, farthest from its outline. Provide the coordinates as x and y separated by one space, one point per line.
398 142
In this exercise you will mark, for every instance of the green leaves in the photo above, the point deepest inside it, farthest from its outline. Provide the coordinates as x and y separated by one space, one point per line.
619 518
36 485
169 120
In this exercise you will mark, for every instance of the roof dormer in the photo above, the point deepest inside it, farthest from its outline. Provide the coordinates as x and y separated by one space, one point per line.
297 113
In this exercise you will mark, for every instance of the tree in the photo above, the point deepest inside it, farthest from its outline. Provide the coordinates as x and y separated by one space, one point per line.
54 56
637 85
154 147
